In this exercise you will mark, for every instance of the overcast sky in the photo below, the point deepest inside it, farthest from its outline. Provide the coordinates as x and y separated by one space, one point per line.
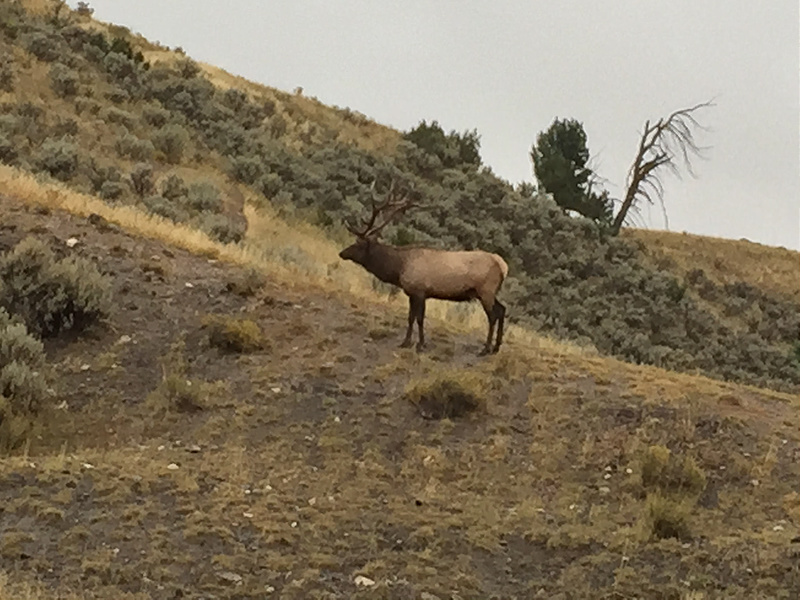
508 68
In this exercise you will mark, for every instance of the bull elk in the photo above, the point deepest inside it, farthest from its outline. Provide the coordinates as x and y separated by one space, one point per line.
422 273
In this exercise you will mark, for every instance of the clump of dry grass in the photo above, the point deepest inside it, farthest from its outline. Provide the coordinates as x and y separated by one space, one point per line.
668 518
233 334
176 392
669 474
448 394
672 485
246 284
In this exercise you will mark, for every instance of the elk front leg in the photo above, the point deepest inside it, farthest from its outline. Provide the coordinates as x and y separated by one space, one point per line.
412 316
420 320
491 316
501 317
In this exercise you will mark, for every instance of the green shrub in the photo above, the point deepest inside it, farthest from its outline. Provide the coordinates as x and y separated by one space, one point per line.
59 157
447 394
63 80
270 184
171 141
111 190
43 46
166 208
112 114
8 150
173 187
247 169
87 105
134 148
221 227
7 75
52 295
141 179
23 389
99 174
204 196
154 115
11 124
233 334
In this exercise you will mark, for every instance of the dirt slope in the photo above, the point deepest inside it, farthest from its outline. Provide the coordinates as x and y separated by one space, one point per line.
305 473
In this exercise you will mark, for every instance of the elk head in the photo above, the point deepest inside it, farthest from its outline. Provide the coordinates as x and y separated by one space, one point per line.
383 212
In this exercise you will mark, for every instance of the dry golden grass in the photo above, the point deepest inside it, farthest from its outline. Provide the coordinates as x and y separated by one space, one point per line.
724 261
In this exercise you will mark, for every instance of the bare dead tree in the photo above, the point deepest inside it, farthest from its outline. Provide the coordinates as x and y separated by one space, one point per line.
663 145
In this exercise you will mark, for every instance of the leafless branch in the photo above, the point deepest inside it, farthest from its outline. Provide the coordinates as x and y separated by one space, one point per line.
669 144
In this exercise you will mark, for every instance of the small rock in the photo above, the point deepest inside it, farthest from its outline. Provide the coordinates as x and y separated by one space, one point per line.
72 242
629 471
336 419
754 482
230 577
124 339
275 390
312 501
188 285
294 523
777 528
572 506
173 467
63 405
609 469
161 447
269 589
607 476
193 448
362 581
85 367
605 489
247 515
87 466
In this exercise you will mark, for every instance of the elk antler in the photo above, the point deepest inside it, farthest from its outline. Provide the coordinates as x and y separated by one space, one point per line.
393 205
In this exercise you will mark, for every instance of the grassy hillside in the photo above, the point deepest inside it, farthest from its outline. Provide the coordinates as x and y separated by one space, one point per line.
316 464
239 422
774 271
137 124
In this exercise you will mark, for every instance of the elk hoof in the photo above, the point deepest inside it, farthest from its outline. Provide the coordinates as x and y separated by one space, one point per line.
406 344
420 347
484 352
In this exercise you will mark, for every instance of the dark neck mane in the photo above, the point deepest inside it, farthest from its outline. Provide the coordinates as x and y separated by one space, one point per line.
385 262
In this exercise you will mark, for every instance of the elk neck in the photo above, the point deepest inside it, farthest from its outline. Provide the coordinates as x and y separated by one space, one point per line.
384 261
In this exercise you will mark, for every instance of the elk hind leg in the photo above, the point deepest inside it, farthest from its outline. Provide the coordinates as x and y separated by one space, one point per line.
499 311
491 315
